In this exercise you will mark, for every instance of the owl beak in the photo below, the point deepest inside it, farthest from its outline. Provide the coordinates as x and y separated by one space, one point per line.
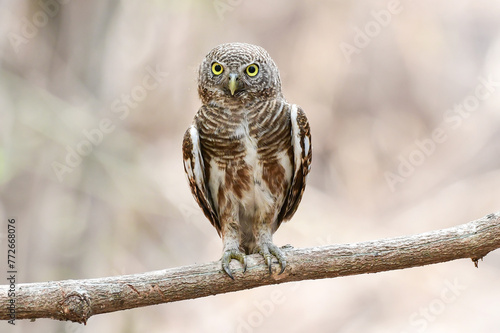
233 83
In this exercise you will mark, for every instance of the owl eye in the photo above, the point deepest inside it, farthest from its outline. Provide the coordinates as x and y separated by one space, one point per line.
252 70
217 68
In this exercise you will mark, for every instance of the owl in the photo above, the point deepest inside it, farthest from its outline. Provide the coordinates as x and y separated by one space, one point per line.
247 153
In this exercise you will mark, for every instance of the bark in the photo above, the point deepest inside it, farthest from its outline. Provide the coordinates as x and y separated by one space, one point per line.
78 300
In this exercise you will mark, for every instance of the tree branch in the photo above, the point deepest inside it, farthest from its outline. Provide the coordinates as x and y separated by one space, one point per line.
78 300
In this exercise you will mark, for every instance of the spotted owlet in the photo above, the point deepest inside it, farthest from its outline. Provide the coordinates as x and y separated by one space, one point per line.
247 153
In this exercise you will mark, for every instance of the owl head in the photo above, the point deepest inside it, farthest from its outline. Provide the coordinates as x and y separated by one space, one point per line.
235 73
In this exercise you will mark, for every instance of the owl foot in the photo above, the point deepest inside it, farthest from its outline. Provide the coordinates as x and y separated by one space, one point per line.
267 250
233 254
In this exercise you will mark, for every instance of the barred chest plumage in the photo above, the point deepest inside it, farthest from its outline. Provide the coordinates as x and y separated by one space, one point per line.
248 160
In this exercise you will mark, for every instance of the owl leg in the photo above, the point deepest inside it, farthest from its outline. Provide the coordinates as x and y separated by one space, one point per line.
231 241
266 247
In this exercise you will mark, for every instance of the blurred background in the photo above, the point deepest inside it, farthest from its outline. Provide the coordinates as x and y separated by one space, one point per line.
403 99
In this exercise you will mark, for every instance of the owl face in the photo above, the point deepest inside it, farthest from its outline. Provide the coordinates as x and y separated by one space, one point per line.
238 72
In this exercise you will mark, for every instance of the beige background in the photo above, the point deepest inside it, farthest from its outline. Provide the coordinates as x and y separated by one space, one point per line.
68 67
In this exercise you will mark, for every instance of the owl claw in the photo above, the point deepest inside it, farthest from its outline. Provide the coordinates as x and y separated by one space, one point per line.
233 254
267 251
228 271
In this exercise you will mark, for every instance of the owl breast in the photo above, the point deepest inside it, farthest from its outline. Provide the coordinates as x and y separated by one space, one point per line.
269 169
249 161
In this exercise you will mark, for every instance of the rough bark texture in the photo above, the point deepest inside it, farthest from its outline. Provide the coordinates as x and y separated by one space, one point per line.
78 300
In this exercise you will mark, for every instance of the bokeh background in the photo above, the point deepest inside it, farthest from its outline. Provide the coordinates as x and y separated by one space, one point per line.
377 79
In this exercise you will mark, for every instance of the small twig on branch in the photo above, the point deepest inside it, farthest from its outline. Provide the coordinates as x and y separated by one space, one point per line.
78 300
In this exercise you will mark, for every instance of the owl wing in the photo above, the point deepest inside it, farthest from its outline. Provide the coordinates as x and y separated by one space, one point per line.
302 156
195 171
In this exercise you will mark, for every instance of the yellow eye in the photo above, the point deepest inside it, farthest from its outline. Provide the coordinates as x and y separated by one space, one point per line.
217 68
252 70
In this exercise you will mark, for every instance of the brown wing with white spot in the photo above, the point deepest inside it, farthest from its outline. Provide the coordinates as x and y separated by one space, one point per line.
195 171
302 156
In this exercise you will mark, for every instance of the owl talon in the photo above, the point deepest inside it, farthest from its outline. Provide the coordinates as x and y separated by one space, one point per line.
267 251
233 254
283 266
